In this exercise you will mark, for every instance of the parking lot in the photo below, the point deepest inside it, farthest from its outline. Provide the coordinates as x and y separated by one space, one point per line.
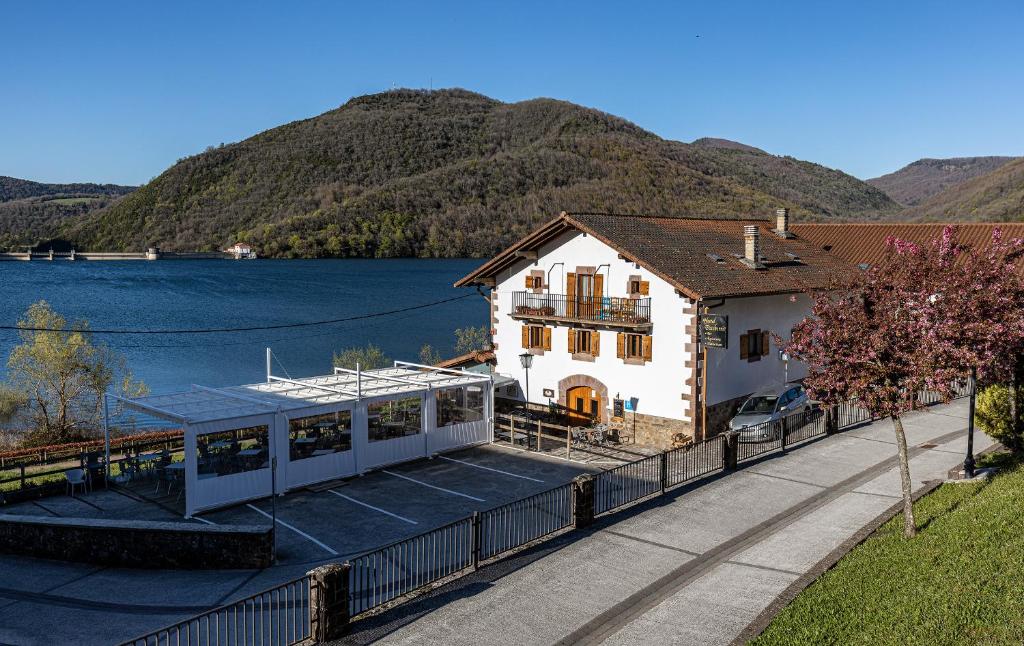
347 518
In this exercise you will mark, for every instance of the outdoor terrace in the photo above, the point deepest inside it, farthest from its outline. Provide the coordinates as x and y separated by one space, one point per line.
610 311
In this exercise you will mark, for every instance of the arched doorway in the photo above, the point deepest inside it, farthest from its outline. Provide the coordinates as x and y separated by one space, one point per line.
584 405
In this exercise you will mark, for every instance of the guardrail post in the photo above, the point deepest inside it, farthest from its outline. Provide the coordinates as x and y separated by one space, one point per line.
583 501
328 601
831 420
664 471
731 448
477 536
783 427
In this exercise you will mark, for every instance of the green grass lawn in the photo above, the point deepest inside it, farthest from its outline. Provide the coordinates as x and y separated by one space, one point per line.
961 581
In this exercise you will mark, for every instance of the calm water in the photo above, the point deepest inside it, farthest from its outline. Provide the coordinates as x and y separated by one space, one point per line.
223 293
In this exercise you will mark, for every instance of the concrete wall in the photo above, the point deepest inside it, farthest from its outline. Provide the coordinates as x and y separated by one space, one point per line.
662 385
138 544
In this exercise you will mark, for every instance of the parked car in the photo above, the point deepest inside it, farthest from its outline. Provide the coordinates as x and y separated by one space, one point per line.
758 417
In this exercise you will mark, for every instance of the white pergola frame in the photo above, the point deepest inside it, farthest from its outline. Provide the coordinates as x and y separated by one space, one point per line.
275 403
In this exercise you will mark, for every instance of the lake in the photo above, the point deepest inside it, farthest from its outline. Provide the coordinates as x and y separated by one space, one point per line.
189 294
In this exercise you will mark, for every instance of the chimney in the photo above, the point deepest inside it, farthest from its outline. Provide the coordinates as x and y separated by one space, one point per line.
782 223
752 246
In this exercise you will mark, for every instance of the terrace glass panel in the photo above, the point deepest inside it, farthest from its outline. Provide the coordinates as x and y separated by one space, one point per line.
319 435
235 451
394 418
458 405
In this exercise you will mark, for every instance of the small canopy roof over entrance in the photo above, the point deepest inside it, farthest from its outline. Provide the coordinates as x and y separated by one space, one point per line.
244 442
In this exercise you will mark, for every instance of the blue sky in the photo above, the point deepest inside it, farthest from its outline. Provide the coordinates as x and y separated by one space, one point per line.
116 92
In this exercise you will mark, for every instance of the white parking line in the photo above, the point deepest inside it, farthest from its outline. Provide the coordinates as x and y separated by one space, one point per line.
480 466
203 520
426 484
294 529
383 511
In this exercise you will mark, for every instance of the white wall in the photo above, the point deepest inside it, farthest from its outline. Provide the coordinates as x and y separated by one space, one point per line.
728 375
660 385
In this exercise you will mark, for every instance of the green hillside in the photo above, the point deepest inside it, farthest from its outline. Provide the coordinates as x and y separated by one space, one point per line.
450 173
994 196
918 182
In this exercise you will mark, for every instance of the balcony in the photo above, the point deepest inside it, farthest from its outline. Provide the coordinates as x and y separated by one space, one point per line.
632 313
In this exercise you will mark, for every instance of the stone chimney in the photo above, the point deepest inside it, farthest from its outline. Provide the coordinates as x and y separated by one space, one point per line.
752 246
782 223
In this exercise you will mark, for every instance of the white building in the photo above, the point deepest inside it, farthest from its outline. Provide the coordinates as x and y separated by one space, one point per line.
241 250
607 306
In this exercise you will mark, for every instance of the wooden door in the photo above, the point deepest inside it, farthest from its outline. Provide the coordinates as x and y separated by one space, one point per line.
584 405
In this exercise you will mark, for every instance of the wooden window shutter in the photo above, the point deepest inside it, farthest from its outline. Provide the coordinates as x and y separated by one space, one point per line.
620 345
526 336
648 342
645 287
595 343
547 338
598 286
572 340
529 281
744 346
765 338
570 285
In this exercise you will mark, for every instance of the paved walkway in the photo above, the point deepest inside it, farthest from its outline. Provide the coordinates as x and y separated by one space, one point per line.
697 567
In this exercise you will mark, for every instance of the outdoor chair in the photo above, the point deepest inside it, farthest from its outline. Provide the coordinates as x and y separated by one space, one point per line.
579 437
75 478
163 477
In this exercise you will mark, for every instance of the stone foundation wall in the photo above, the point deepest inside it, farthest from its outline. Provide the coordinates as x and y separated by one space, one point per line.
654 431
719 414
138 544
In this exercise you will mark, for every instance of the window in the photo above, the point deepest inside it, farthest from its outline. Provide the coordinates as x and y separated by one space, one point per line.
637 287
395 418
235 451
319 435
537 338
754 345
634 348
584 342
535 281
457 405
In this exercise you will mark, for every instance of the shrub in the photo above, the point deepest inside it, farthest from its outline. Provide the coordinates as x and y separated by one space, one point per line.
992 415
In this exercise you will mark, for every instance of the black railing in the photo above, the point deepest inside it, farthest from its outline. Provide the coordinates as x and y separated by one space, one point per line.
396 570
386 575
597 309
510 526
279 616
694 461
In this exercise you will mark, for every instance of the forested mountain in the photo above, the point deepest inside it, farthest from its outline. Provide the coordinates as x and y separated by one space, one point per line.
995 196
31 212
451 173
919 181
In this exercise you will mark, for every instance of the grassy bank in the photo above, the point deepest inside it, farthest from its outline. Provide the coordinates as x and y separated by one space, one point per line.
960 581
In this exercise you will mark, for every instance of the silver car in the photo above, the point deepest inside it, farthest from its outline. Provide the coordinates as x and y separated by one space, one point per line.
754 418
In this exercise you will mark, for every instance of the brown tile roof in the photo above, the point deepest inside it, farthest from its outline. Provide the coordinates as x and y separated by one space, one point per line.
681 250
865 243
476 357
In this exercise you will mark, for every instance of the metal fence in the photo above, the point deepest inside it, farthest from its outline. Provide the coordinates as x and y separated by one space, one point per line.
276 617
398 569
608 309
627 483
693 461
281 616
510 526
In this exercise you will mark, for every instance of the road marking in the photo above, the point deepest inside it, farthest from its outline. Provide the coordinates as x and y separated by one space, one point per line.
480 466
426 484
383 511
294 529
203 520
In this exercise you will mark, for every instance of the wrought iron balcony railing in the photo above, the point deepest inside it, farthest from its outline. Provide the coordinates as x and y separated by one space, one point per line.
607 310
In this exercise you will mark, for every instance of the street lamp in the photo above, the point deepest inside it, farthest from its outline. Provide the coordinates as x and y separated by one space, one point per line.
969 460
526 360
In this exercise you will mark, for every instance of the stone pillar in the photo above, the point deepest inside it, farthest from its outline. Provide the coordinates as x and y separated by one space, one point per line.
583 501
328 603
831 420
731 446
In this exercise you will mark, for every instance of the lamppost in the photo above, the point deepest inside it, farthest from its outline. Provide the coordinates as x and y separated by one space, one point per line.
969 460
526 360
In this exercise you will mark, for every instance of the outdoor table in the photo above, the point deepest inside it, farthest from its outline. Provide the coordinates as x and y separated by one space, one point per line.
220 444
175 466
250 453
305 440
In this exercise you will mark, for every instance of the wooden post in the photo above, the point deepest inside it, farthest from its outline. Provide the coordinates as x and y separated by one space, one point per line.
511 430
568 442
538 435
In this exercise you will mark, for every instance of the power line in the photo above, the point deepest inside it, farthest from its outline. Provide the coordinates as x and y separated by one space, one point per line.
255 328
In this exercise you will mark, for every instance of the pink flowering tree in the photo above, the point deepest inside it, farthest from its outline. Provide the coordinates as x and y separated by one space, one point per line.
923 319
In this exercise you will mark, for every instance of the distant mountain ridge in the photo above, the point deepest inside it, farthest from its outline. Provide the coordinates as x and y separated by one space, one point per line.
996 196
917 182
451 173
32 212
